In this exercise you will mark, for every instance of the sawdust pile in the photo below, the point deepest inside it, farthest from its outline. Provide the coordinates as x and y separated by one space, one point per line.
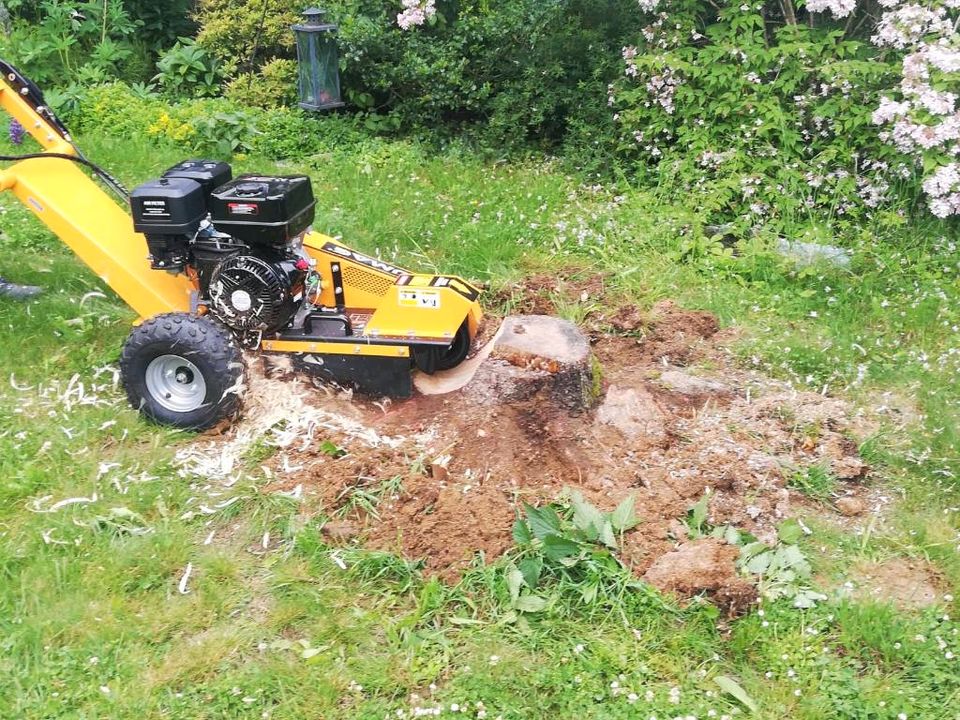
440 478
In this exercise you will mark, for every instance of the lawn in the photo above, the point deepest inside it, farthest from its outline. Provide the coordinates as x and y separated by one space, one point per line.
92 620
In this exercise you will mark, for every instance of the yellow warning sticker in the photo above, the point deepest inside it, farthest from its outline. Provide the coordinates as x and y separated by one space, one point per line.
420 299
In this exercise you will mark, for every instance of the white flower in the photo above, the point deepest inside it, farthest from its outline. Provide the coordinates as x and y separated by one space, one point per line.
889 110
838 8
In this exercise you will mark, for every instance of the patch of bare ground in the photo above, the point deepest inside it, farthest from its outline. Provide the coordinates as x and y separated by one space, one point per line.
676 417
909 584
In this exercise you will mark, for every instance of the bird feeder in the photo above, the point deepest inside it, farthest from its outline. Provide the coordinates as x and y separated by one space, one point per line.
318 68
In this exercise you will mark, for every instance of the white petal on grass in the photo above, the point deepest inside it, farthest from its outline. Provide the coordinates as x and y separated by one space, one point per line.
295 494
48 538
182 587
19 388
209 538
71 501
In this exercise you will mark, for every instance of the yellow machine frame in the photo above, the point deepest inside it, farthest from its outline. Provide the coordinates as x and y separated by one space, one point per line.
396 309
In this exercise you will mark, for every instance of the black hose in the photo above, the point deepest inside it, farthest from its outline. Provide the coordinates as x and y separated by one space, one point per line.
111 181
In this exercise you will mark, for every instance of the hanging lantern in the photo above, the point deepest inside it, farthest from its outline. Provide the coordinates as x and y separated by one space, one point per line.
318 68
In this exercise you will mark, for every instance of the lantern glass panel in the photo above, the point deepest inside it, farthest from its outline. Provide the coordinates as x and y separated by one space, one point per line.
307 69
328 71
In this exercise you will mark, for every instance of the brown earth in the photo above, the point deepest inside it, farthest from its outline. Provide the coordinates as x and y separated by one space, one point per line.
677 418
909 584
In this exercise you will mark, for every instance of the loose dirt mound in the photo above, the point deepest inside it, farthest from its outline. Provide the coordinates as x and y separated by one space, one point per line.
441 477
706 565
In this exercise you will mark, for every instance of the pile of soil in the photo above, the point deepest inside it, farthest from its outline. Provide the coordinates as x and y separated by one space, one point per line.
676 418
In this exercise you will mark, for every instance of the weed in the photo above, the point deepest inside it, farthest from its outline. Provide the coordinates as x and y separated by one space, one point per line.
815 481
366 494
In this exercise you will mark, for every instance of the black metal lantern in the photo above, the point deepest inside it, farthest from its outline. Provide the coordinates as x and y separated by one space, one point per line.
318 68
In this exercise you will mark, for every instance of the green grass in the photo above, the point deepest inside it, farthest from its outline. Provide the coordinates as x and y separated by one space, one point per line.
91 620
816 482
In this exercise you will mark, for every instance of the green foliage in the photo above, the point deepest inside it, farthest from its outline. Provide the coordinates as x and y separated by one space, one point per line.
761 125
570 549
188 70
507 73
254 45
244 36
207 126
815 481
93 41
275 85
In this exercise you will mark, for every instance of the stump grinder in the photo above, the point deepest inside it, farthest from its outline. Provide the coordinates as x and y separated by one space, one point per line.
214 264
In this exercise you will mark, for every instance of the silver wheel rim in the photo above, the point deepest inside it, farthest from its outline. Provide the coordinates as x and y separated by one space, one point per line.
175 383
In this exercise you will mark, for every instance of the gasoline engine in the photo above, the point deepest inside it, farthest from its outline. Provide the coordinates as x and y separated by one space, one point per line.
241 240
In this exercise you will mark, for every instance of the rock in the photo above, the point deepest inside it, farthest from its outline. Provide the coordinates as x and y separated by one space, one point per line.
341 530
627 319
850 506
677 530
686 384
534 353
439 472
849 468
635 413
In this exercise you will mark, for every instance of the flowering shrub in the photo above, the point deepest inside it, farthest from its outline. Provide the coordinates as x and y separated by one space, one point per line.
416 12
771 113
926 123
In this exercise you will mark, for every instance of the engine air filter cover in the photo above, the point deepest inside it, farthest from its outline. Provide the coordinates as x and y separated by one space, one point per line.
263 210
211 174
168 206
249 293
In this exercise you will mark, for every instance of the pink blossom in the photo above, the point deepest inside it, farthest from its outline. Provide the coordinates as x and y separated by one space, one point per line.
416 12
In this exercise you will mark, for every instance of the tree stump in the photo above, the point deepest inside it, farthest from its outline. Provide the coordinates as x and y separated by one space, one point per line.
529 355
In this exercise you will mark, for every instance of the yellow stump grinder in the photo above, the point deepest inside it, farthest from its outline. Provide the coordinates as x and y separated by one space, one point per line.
213 264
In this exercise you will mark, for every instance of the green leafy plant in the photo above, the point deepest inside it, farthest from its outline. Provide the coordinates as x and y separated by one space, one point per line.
187 69
87 42
574 545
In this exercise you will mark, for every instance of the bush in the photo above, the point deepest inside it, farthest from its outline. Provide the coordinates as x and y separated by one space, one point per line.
91 41
293 133
255 46
275 85
762 124
212 126
507 73
187 69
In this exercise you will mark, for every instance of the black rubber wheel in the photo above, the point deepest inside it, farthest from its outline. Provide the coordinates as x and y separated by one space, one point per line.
183 370
429 359
458 350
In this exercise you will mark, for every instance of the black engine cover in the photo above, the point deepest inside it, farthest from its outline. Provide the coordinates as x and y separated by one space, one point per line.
263 210
250 293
